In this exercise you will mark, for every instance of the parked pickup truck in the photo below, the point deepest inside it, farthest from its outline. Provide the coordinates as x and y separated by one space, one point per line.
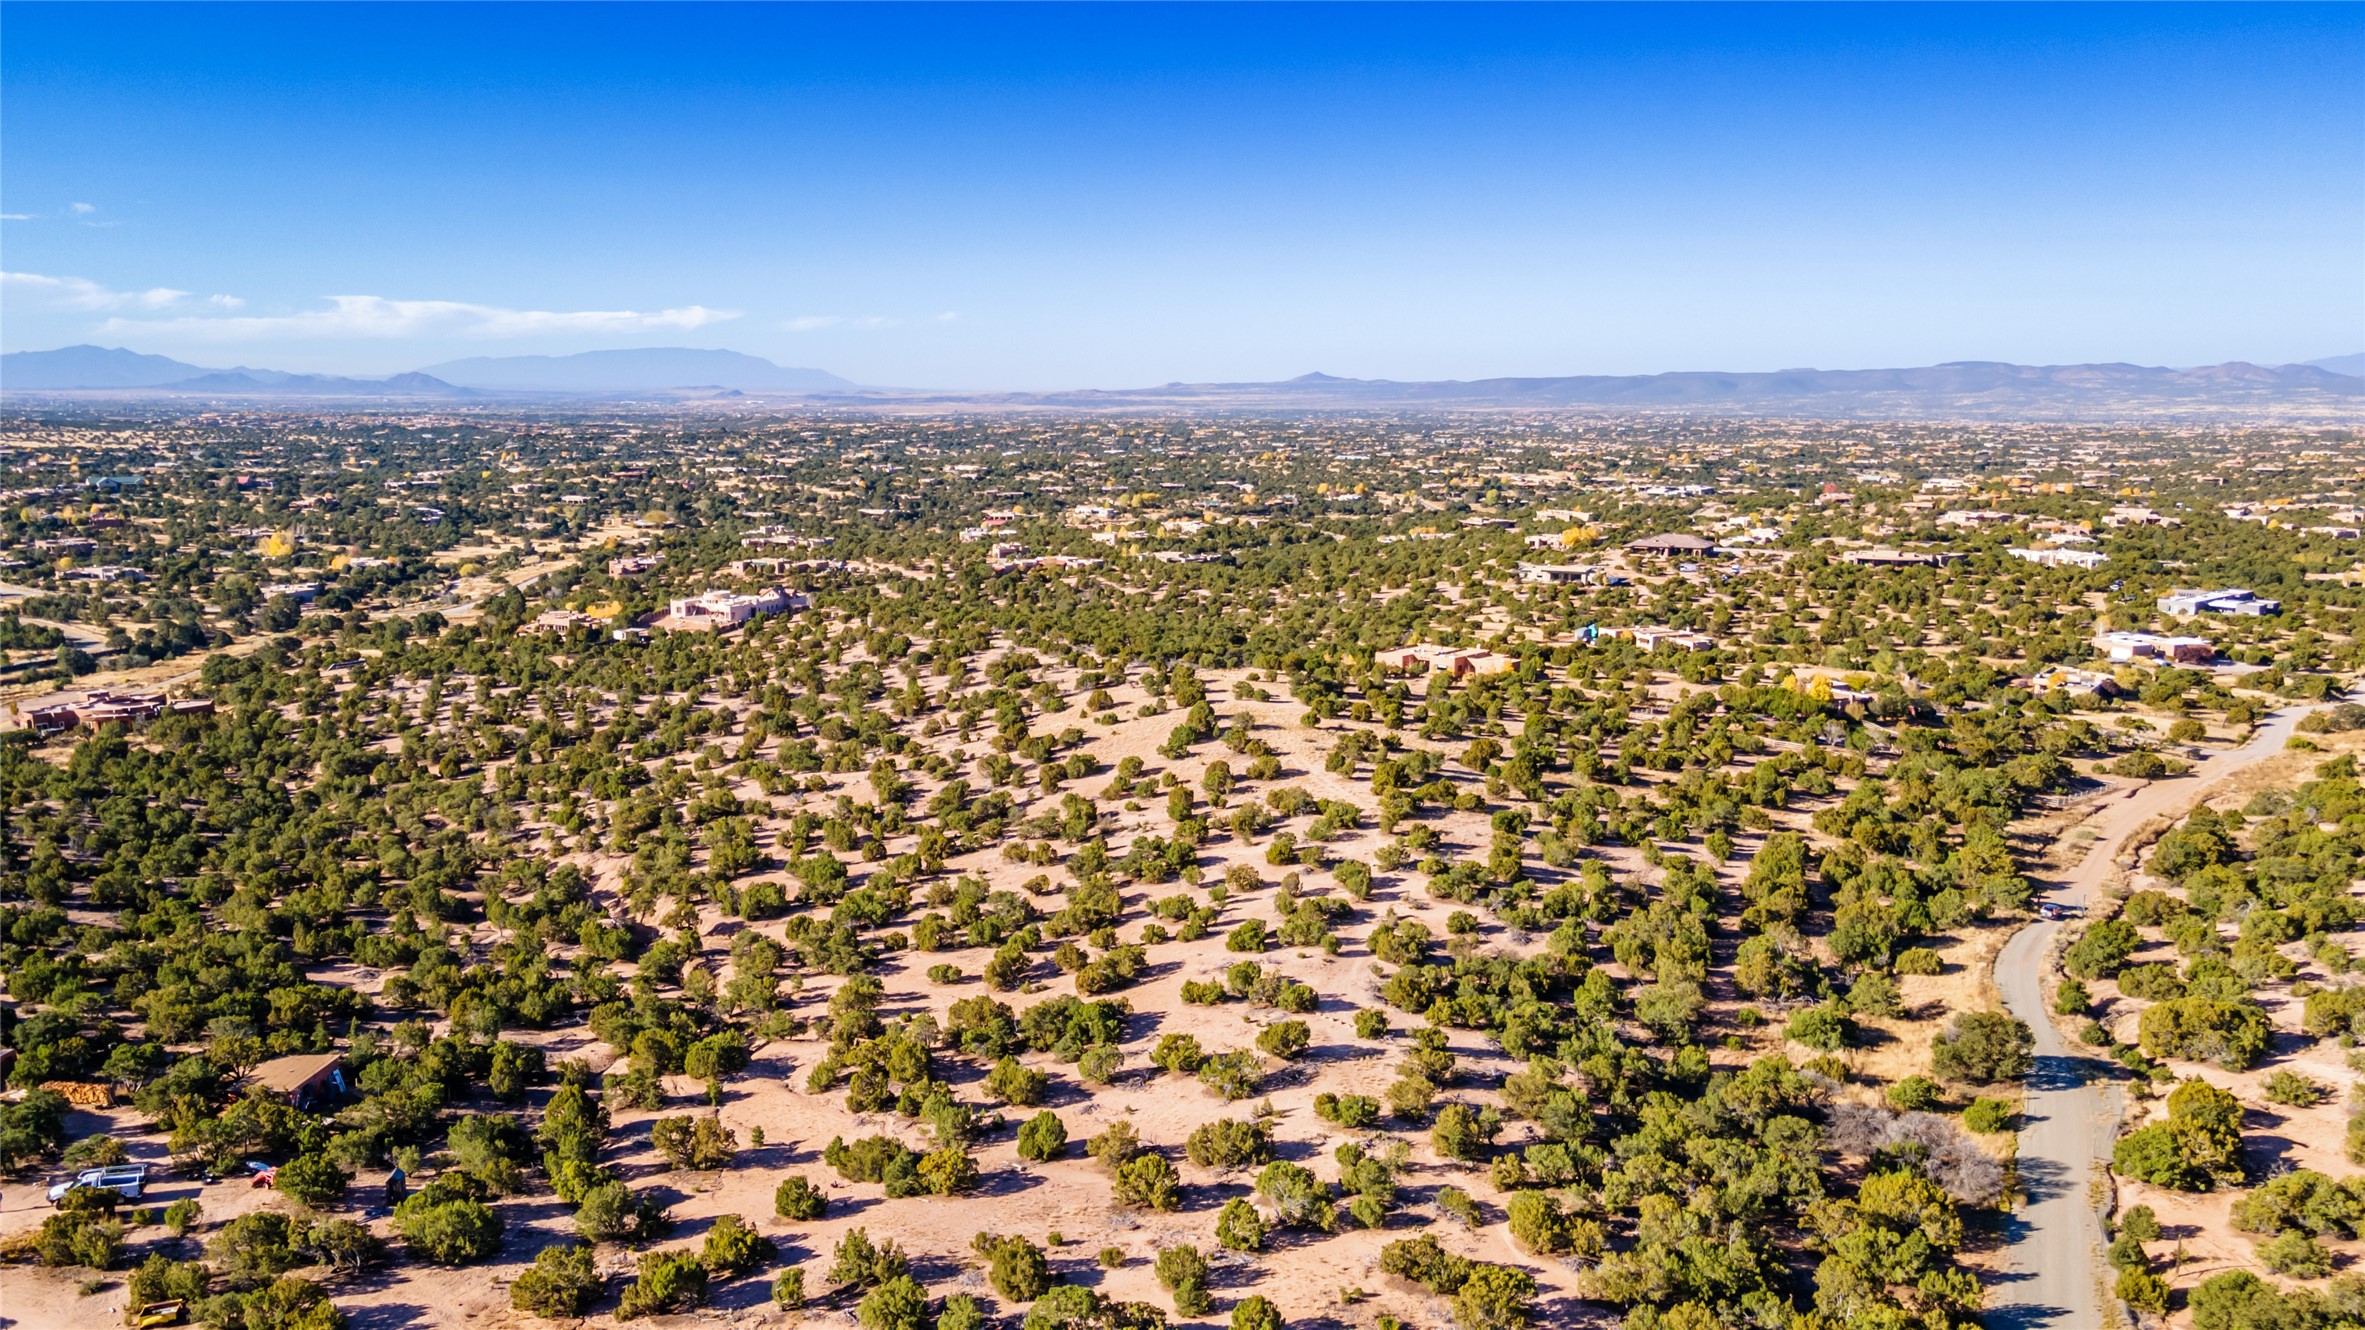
125 1180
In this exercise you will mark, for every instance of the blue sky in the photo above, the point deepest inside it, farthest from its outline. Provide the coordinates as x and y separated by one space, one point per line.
1058 196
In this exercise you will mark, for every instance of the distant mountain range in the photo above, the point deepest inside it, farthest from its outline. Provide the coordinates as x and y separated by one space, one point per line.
671 371
642 370
1957 390
102 371
2334 387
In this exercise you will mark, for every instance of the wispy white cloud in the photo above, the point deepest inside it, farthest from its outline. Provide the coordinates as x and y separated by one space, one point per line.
225 302
379 317
82 293
82 209
812 322
15 216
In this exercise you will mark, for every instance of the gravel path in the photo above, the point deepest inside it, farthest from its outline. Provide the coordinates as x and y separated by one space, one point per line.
2056 1278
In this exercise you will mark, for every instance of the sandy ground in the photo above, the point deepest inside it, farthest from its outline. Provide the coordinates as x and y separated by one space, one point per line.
1304 1275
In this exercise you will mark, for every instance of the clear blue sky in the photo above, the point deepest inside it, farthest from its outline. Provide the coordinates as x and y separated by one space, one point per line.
1061 196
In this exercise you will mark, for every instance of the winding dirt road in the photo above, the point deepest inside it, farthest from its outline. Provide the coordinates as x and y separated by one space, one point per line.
2072 1118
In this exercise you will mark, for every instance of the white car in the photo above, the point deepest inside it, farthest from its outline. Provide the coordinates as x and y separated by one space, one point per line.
125 1180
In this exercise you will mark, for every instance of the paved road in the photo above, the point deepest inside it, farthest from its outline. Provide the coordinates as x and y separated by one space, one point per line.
2073 1115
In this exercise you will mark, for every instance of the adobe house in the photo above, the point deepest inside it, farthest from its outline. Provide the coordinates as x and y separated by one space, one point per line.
304 1080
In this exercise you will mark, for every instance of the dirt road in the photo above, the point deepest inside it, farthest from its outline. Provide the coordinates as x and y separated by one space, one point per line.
2056 1278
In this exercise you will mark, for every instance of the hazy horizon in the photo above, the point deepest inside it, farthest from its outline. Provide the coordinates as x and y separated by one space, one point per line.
389 371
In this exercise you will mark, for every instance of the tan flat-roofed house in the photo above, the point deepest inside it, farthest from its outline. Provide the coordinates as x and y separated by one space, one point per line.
302 1079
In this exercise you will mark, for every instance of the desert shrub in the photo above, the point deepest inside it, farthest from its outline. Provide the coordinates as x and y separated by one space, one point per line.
701 1143
1914 1094
947 1172
1238 1227
1013 1082
666 1282
1255 1312
733 1248
160 1279
2296 1254
1284 1039
1984 1047
1183 1272
95 1152
1231 1076
860 1263
1099 1064
2140 1223
1537 1223
448 1230
287 1303
32 1126
1352 1111
1919 960
1226 1143
81 1237
2072 999
1074 1307
1042 1137
1462 1132
866 1160
788 1289
1825 1027
1016 1268
1426 1262
2233 1035
2197 1146
1114 1145
1411 1096
559 1284
2302 1199
898 1304
2102 949
1147 1182
2289 1087
1299 1199
2144 1291
1495 1297
611 1212
314 1180
797 1198
961 1312
251 1249
1178 1053
1456 1202
343 1244
1371 1023
2151 983
1987 1116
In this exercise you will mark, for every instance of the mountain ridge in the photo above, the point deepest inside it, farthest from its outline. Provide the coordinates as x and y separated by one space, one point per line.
1951 389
